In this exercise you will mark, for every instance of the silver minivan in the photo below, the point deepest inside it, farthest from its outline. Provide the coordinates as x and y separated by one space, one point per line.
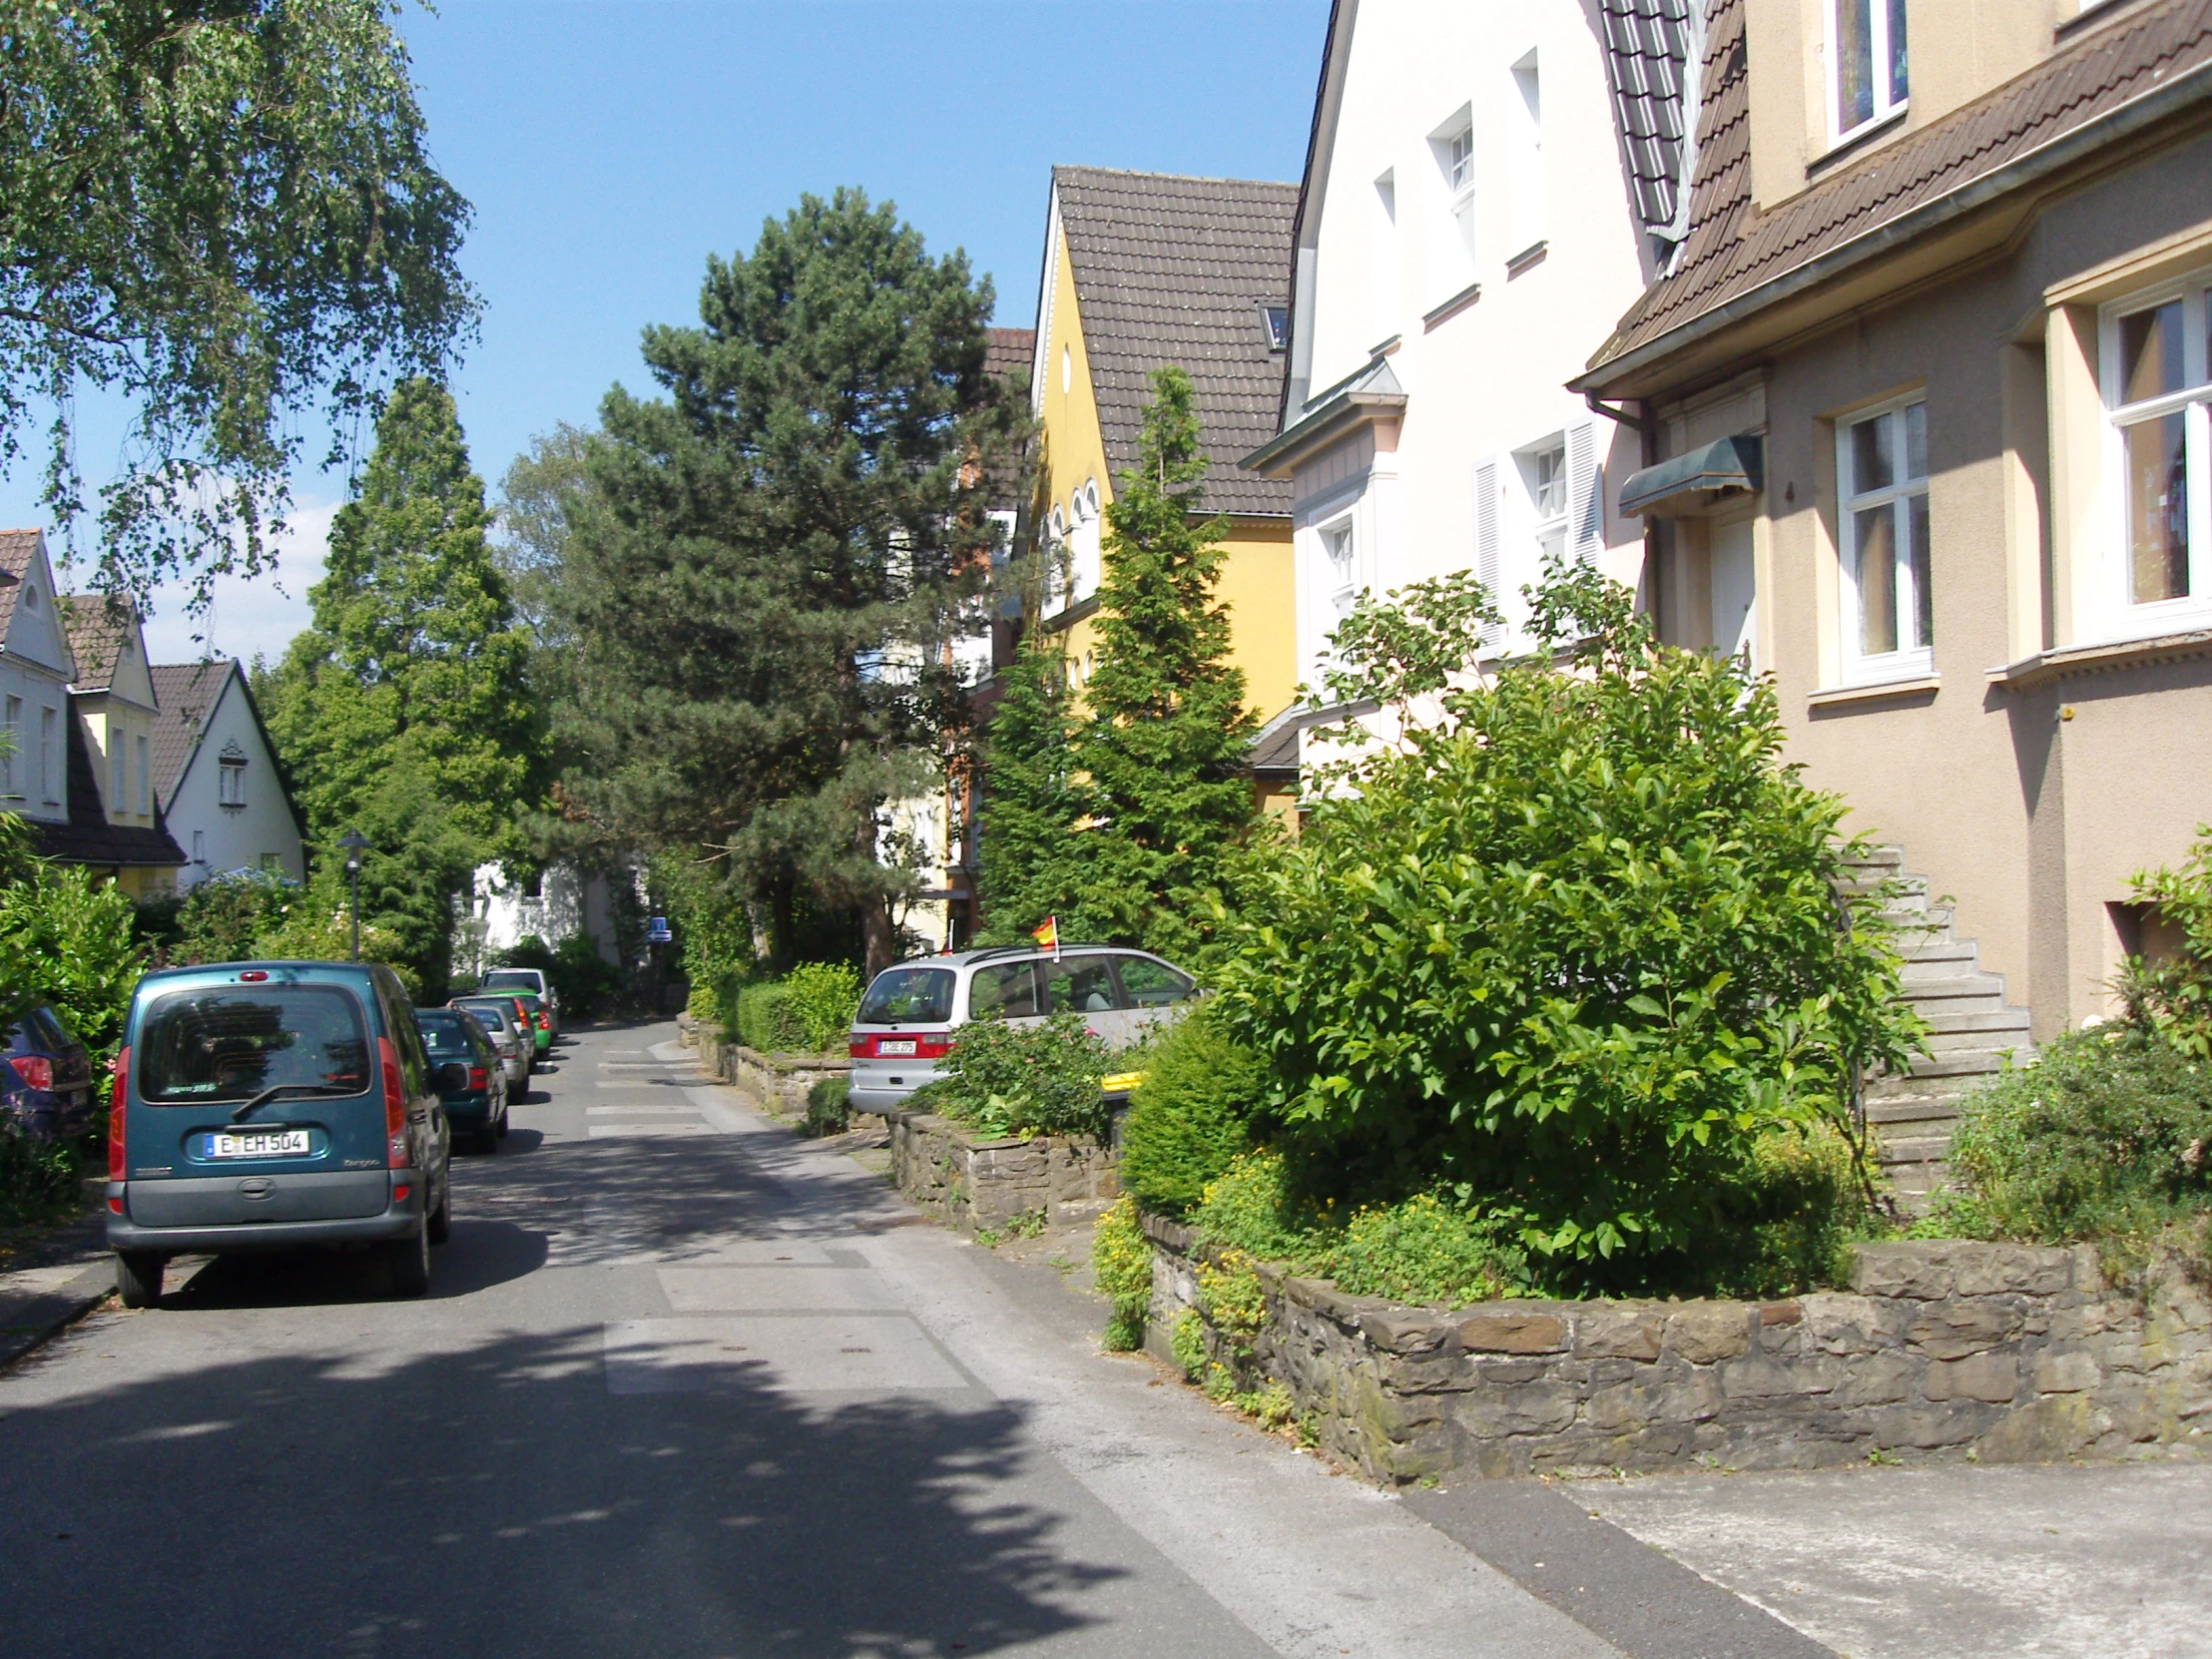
908 1017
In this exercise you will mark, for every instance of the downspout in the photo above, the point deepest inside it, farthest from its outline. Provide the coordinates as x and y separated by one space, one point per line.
1647 435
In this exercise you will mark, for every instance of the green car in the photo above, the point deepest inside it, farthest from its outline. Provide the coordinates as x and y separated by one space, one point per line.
541 1026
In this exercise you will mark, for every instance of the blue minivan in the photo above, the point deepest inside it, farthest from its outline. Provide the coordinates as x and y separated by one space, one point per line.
273 1105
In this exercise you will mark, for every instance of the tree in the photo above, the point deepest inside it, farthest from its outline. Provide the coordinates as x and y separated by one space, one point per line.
222 212
1154 792
1035 860
537 499
407 711
765 570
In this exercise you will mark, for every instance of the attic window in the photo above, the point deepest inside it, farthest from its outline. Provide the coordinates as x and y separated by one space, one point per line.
1277 321
231 778
30 596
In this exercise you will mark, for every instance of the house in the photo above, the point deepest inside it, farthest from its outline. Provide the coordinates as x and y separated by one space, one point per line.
1143 270
1928 381
115 823
36 668
218 779
1471 216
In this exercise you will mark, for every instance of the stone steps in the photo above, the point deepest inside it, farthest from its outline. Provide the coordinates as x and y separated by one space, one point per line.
1973 1031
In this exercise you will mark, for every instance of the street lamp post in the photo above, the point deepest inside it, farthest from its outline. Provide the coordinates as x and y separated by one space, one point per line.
356 844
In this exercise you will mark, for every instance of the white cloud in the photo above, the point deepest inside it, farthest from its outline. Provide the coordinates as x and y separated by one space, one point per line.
248 617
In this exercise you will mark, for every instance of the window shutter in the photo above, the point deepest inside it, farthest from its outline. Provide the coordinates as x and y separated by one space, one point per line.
1489 540
1586 494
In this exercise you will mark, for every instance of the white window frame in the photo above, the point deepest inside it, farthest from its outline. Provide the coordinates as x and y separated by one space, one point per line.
230 783
13 721
1906 661
1525 192
1884 105
2123 617
145 775
1549 489
49 733
1456 241
1336 585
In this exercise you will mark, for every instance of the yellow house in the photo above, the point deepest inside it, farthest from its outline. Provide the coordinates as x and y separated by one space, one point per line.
1143 270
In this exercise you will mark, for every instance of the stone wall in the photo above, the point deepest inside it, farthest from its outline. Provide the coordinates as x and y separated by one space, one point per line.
973 1183
1939 1350
778 1081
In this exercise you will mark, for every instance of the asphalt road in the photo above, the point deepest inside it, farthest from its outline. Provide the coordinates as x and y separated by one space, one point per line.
684 1385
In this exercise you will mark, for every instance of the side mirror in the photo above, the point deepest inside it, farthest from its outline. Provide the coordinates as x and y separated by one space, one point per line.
453 1076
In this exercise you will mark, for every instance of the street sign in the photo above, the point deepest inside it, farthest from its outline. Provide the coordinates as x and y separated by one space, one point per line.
655 930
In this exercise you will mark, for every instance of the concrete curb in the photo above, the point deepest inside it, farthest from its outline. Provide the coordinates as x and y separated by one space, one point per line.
31 1314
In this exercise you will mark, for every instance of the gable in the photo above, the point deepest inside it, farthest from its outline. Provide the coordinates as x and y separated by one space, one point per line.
33 629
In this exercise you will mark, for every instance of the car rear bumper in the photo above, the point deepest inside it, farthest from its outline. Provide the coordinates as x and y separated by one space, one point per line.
399 1221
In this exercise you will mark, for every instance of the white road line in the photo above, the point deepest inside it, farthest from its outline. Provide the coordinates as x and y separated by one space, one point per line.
650 1131
669 1111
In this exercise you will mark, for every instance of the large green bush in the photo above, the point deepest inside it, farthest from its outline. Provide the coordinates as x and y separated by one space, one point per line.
77 942
1567 951
823 997
1007 1079
2174 996
1192 1114
2107 1135
221 920
765 1019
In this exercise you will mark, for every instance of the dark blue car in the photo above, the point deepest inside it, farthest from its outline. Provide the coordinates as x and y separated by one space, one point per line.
46 1085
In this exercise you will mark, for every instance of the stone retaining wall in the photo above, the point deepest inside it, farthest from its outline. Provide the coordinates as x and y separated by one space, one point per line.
973 1183
1939 1350
778 1081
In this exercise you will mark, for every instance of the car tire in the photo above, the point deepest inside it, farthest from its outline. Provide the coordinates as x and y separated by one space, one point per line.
407 1263
138 1277
502 1130
440 1225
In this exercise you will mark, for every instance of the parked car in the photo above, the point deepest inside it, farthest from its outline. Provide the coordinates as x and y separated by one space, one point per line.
268 1105
910 1013
531 982
502 1022
46 1085
536 1021
471 1081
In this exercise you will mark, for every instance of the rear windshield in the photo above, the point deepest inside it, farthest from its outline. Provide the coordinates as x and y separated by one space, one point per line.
43 1033
230 1042
446 1039
908 995
493 1014
510 977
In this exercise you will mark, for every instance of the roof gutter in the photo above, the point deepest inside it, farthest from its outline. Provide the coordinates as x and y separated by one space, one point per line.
2126 121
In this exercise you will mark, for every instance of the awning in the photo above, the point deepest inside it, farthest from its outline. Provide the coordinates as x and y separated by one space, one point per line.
1688 483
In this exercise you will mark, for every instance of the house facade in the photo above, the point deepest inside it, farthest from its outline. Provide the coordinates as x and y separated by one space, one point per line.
220 790
1932 360
1471 218
36 667
115 823
1143 270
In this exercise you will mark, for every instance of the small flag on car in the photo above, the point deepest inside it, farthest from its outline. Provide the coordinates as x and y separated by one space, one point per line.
1048 935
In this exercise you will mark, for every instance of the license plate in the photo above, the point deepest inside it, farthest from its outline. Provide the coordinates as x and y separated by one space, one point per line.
895 1045
261 1143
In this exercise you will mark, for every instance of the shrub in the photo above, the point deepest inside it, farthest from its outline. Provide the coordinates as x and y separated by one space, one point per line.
827 1112
765 1020
40 1180
1006 1079
1423 1250
2107 1135
1186 1342
823 998
1121 1268
1564 953
222 917
2174 997
78 945
1191 1115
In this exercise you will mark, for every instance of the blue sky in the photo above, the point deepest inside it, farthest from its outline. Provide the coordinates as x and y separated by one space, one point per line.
609 148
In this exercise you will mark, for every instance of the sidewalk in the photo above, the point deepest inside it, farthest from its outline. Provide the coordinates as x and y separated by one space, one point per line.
61 1278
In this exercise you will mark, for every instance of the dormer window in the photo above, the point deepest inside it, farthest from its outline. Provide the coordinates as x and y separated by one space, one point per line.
1277 321
30 596
1869 83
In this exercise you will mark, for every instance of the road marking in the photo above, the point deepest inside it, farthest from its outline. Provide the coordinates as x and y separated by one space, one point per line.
669 1111
783 1290
777 1353
650 1131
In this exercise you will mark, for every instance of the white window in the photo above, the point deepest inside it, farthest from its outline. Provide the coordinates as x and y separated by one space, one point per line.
1385 274
1881 477
145 779
1525 191
49 757
1544 476
1453 239
13 748
1337 579
2157 382
199 847
230 781
1868 51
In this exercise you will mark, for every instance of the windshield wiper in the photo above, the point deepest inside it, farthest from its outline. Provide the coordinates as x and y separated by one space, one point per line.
276 1089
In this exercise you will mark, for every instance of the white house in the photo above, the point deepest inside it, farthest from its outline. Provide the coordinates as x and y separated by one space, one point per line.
36 667
216 774
115 823
1487 190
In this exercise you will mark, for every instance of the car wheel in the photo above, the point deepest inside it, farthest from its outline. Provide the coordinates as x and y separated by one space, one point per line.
407 1263
502 1133
439 1227
138 1277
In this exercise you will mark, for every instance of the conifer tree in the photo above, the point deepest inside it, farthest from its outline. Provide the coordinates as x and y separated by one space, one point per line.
1033 853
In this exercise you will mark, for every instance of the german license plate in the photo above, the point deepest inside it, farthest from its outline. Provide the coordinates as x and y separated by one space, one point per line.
895 1045
259 1143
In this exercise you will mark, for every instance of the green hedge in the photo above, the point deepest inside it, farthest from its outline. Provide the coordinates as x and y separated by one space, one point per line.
1191 1115
767 1021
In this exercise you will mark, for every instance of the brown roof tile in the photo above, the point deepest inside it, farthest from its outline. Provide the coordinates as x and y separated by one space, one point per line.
1733 249
98 625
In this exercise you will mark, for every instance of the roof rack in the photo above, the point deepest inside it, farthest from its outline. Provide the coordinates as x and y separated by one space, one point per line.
1033 950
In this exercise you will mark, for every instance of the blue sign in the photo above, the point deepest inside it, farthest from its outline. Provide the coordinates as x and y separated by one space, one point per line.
655 930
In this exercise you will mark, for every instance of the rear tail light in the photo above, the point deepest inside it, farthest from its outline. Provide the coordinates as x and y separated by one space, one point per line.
478 1078
35 1069
395 1107
859 1048
117 1095
932 1048
545 1020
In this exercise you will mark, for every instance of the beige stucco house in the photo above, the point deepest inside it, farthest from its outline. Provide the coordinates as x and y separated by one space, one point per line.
1931 374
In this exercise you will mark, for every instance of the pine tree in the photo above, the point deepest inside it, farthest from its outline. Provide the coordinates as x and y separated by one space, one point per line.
405 711
1034 857
1166 746
765 567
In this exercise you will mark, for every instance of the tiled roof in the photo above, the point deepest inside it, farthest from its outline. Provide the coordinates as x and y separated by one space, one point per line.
1170 269
18 550
1007 349
98 625
186 693
1648 44
1733 250
88 838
